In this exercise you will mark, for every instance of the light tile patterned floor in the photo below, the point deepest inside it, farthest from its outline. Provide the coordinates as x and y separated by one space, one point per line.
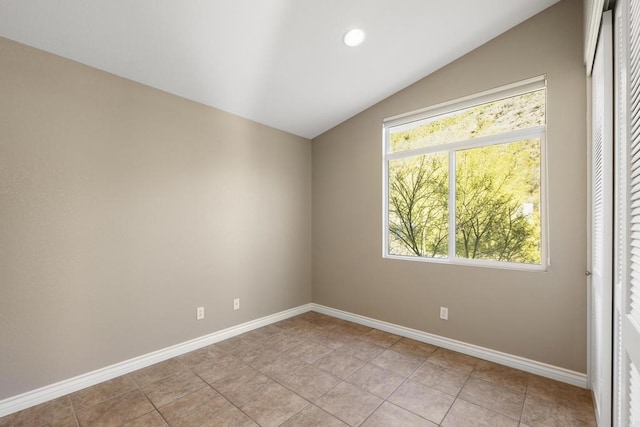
315 370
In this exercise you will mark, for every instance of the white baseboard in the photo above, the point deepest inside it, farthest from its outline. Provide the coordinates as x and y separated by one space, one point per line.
517 362
43 394
52 391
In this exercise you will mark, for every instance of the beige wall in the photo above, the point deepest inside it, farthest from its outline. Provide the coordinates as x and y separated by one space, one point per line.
537 315
122 208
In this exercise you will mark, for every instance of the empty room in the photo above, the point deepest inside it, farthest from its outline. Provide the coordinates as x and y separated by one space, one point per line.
319 213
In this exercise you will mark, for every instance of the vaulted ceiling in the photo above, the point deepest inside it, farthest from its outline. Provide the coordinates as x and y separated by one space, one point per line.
278 62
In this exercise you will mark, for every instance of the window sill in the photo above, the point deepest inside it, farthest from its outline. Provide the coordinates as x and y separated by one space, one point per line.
473 263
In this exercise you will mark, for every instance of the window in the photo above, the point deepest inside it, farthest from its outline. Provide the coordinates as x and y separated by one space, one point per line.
464 181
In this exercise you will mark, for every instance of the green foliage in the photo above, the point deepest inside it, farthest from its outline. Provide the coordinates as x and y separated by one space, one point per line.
497 206
418 206
518 112
492 191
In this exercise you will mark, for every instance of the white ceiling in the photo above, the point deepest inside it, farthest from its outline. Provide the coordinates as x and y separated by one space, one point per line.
278 62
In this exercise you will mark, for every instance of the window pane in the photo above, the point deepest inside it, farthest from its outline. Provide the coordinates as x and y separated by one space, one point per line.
517 112
498 202
418 207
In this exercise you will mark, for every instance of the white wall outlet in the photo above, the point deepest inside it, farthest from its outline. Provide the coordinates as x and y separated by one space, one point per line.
199 313
444 313
236 304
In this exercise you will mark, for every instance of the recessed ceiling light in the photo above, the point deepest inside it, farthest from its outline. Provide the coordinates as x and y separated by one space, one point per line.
354 37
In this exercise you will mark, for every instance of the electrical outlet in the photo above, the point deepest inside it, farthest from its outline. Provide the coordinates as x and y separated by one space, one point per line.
236 304
199 313
444 313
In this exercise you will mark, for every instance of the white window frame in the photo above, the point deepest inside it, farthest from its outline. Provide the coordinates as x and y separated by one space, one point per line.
537 132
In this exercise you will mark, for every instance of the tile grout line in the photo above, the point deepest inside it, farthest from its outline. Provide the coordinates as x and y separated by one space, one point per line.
73 409
76 410
385 399
341 380
504 388
524 402
296 413
457 395
394 390
148 400
262 342
518 420
217 391
157 409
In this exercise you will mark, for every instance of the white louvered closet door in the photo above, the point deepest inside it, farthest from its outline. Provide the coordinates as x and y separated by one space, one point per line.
602 223
627 216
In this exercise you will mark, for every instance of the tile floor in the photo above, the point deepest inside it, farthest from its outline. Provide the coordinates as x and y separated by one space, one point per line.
315 370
